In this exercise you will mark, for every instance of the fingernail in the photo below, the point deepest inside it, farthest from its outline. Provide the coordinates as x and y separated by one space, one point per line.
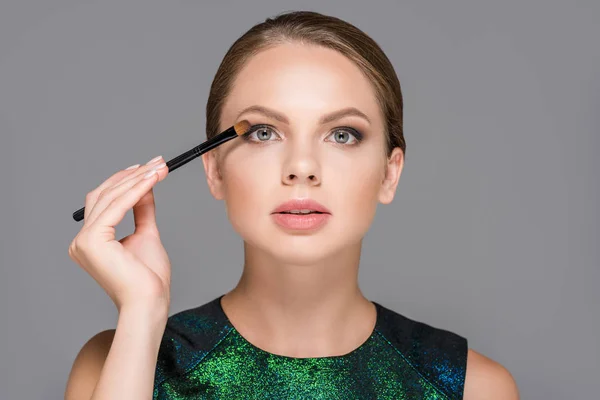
150 173
155 159
160 166
132 167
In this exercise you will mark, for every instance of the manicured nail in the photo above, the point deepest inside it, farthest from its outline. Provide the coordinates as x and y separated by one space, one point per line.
160 166
155 159
132 167
150 173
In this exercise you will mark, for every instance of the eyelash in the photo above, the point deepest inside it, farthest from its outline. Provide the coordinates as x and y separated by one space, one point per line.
357 135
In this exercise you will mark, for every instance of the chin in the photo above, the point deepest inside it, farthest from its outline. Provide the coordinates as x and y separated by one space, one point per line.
296 247
293 249
299 256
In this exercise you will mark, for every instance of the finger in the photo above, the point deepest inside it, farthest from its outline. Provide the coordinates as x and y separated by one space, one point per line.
142 170
144 214
115 211
92 197
108 193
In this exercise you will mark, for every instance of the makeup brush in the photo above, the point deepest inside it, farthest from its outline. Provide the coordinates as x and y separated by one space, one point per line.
236 130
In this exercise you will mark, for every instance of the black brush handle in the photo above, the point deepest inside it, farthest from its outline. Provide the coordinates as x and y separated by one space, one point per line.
185 158
201 149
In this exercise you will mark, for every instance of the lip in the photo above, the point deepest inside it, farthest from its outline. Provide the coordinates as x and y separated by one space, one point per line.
299 222
301 204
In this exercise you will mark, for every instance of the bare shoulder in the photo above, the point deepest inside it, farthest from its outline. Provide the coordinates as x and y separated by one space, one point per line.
487 379
88 365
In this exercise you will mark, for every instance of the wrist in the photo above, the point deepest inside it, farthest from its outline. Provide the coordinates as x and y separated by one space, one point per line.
145 313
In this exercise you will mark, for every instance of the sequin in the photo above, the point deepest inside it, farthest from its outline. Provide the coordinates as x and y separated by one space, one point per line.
202 356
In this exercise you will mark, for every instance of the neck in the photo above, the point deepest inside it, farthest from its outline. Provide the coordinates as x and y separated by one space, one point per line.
301 310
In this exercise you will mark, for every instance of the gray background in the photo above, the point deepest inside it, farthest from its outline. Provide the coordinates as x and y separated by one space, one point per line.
494 230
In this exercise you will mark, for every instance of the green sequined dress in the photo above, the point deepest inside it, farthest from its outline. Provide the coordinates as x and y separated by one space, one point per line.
202 356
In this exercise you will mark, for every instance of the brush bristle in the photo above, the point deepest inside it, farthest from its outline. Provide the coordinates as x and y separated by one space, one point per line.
242 127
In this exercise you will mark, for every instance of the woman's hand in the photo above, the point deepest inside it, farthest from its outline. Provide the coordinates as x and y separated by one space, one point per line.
134 271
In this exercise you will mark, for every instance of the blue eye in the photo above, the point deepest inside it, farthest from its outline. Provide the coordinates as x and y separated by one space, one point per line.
263 134
346 135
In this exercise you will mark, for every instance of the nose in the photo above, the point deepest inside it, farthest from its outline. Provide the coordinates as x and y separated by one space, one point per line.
310 180
301 167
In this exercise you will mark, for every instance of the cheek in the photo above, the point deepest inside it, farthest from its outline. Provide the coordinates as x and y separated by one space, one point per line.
355 189
361 177
248 192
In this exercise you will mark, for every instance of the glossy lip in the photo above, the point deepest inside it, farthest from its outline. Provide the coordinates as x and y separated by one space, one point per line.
301 222
301 204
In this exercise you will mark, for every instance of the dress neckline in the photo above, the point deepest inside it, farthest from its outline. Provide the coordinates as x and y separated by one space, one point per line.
358 349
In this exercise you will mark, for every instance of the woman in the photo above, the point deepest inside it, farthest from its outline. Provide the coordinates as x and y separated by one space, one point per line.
325 107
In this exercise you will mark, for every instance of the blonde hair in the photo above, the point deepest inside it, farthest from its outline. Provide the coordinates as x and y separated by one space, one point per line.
310 27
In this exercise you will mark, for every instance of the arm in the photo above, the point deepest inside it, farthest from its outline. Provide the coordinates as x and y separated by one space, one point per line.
488 380
119 364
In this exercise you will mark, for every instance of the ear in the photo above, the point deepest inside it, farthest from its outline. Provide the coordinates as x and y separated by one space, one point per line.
393 170
213 174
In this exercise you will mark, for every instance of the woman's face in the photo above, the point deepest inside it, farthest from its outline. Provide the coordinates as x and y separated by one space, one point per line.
340 163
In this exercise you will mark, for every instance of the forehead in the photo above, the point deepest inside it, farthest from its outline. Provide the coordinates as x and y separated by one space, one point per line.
302 81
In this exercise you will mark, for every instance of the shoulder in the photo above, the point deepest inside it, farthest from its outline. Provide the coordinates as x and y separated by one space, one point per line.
87 366
488 379
445 359
190 335
439 355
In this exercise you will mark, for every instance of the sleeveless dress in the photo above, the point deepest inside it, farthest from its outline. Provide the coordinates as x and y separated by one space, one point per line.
202 356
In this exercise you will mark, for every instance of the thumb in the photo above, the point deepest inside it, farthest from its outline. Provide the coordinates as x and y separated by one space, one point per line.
144 214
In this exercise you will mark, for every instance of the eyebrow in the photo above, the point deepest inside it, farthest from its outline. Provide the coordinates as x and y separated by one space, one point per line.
270 113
